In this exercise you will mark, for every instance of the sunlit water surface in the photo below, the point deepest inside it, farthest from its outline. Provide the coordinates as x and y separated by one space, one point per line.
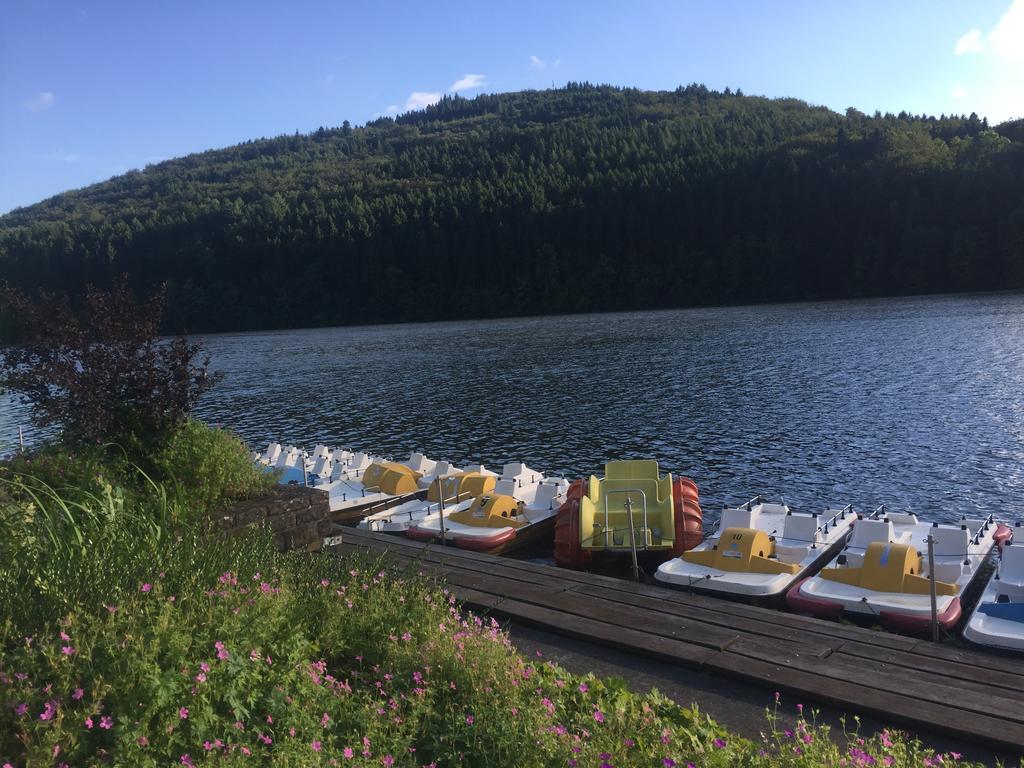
918 403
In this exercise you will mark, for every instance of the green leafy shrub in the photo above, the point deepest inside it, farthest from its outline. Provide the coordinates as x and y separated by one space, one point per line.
208 468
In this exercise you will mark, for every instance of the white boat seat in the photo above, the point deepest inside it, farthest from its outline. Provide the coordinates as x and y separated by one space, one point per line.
320 450
948 571
866 531
442 468
341 456
1011 570
479 468
271 454
513 470
360 460
802 528
772 508
545 497
321 467
902 518
288 458
738 518
419 463
950 541
505 487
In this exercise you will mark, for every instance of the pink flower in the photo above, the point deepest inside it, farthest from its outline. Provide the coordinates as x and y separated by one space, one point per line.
65 637
719 743
347 753
68 650
88 723
469 719
584 688
77 694
106 722
316 745
388 761
143 741
599 715
183 713
146 587
186 761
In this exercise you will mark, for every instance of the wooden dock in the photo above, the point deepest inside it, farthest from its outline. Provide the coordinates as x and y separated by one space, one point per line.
900 680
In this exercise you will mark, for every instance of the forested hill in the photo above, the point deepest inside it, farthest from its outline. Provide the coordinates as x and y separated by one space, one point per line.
575 199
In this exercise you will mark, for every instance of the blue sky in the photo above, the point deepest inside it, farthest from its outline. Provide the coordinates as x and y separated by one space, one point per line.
89 90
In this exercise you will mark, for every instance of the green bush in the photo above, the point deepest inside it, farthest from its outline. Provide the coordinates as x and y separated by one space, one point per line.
208 468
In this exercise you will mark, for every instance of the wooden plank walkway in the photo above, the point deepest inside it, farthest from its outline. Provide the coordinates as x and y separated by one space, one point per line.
901 680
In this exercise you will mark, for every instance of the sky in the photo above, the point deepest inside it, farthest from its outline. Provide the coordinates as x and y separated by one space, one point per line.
89 90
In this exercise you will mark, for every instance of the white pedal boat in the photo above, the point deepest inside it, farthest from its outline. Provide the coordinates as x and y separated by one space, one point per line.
998 619
459 488
369 481
758 550
521 507
883 571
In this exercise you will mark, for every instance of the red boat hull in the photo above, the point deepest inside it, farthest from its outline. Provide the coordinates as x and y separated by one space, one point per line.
815 606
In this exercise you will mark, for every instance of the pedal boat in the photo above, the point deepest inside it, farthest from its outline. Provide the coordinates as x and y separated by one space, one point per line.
377 483
520 509
998 619
458 488
758 550
632 507
882 573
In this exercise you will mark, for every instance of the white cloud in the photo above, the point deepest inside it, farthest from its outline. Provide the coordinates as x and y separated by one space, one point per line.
392 108
970 42
556 62
959 92
1006 40
466 82
42 100
421 99
537 62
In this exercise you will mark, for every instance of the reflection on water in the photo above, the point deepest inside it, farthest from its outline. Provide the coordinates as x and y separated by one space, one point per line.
917 403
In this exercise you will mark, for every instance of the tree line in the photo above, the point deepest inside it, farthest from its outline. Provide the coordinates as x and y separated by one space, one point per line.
582 198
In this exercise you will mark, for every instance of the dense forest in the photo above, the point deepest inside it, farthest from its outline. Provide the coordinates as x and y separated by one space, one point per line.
574 199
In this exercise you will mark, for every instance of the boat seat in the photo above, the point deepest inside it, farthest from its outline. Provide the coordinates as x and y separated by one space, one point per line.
506 487
360 460
271 454
288 458
742 550
741 517
948 571
514 469
420 463
1011 571
545 497
773 508
902 518
320 450
341 456
321 467
950 541
442 468
799 532
866 532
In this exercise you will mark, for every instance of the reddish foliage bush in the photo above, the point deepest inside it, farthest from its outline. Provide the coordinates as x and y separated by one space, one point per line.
100 371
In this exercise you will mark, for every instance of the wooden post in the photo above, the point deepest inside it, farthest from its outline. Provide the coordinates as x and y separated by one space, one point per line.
440 505
931 584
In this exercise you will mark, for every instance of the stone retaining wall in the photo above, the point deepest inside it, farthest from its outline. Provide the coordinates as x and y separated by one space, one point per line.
299 517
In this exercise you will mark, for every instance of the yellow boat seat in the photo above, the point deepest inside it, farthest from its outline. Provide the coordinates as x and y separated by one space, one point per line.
494 511
741 550
889 568
634 480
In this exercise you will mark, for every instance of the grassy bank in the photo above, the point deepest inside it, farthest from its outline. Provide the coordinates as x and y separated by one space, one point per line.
132 635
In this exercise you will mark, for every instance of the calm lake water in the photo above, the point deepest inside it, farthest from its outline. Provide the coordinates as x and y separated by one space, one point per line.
917 403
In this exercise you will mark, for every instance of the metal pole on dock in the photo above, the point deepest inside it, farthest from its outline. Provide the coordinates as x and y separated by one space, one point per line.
21 439
931 585
632 538
440 505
